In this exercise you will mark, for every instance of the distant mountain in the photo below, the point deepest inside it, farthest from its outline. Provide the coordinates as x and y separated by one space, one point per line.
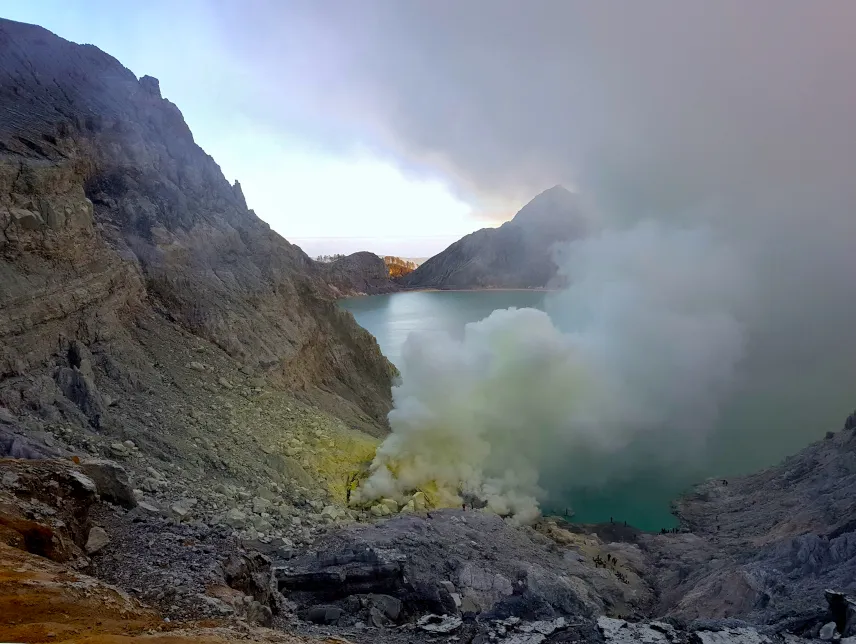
518 254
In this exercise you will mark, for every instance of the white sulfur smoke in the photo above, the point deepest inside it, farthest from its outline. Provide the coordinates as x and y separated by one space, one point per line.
642 345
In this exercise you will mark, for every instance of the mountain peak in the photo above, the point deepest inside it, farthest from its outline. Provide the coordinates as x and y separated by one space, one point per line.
553 203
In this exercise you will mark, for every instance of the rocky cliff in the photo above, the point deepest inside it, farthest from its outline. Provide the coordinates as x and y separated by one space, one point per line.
518 254
141 299
361 273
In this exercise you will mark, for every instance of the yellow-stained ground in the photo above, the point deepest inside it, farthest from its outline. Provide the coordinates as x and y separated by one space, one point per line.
42 601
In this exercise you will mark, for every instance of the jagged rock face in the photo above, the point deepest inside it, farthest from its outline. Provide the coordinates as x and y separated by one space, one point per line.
518 254
764 547
111 214
361 273
450 560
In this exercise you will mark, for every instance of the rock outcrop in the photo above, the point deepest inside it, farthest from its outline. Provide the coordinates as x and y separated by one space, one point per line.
144 308
452 561
361 273
764 547
518 254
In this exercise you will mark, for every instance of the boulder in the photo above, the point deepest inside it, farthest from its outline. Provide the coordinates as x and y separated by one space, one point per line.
236 519
392 504
619 631
379 510
258 613
732 636
84 482
439 624
827 631
251 574
180 510
260 505
97 539
387 605
27 219
111 480
324 614
420 502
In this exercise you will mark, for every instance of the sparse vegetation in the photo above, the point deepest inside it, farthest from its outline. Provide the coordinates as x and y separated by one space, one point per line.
329 258
398 267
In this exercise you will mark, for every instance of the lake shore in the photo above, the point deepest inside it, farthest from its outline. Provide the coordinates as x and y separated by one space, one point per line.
538 289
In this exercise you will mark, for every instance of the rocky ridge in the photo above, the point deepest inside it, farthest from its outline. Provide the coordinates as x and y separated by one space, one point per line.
143 303
518 254
360 273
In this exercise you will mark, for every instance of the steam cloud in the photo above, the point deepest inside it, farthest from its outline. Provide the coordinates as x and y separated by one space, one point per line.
642 347
729 124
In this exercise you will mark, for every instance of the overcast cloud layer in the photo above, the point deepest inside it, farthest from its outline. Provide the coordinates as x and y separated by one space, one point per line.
670 102
735 115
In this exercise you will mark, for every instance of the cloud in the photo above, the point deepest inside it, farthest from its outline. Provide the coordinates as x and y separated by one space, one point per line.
733 118
640 350
668 100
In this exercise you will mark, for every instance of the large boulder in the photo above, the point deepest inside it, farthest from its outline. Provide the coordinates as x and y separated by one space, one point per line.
111 479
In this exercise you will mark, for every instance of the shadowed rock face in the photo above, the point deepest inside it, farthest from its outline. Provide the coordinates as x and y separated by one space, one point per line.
360 273
518 254
764 547
113 219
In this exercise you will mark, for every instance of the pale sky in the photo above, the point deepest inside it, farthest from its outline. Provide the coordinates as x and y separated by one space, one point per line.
349 195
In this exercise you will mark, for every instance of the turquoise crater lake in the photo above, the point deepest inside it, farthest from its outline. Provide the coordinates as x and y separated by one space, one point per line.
644 502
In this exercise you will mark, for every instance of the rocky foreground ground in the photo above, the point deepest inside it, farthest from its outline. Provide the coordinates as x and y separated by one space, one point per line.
766 558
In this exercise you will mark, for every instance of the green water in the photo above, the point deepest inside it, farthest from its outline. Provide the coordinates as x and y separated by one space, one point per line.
643 502
391 318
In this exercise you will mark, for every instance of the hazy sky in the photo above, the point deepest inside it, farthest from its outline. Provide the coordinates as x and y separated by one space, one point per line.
319 181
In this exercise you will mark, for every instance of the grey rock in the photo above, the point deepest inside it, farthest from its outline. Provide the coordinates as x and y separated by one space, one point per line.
84 481
469 605
27 219
324 614
13 445
619 631
111 479
79 387
827 632
732 636
9 479
258 613
145 507
7 417
97 539
181 509
386 604
439 624
377 618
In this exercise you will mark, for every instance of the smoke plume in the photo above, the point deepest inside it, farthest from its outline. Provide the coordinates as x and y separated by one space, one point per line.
719 338
641 348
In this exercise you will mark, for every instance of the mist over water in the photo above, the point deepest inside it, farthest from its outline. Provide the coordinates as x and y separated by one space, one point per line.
621 383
